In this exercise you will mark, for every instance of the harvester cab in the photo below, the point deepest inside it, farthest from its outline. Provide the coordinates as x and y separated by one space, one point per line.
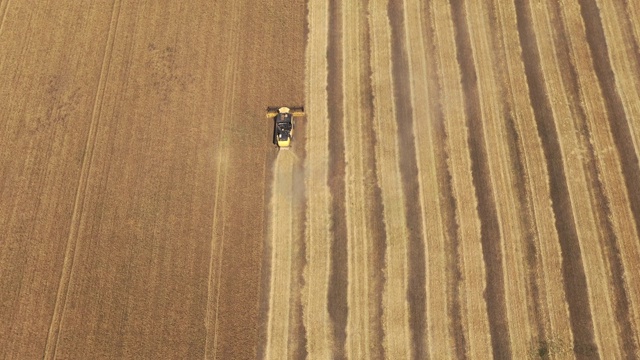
283 124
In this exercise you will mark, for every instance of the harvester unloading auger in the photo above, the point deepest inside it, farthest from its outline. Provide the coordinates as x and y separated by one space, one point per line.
283 124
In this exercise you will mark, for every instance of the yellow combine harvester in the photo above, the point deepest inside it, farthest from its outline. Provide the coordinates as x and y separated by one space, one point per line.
283 124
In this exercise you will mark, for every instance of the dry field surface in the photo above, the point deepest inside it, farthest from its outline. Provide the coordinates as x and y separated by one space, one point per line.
465 184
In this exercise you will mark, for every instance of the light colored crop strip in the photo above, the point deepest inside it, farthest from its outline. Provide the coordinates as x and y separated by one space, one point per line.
358 229
318 228
625 69
592 262
282 205
630 93
555 309
397 339
440 340
501 180
474 309
607 160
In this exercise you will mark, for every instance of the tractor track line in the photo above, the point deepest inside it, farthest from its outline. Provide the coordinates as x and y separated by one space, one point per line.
490 230
574 277
337 292
408 164
51 345
230 76
618 120
4 10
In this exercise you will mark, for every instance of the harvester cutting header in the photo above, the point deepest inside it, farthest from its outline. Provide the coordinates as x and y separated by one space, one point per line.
283 124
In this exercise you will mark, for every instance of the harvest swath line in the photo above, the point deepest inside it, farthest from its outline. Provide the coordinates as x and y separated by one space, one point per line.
282 237
617 118
365 225
518 161
539 108
448 207
408 164
397 336
434 329
57 317
338 278
318 234
481 175
598 171
450 146
495 110
568 106
574 277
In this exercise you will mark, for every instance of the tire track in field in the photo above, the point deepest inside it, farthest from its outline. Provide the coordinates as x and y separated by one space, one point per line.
365 226
574 278
4 10
395 316
337 291
283 233
318 234
486 206
618 120
408 164
57 317
601 168
218 220
424 96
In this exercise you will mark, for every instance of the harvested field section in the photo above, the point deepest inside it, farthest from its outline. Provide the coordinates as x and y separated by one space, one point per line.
463 183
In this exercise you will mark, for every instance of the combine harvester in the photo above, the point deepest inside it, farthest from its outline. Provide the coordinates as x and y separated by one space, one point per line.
283 124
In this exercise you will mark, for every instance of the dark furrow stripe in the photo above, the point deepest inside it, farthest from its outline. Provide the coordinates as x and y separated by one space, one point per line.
375 215
416 292
617 118
337 292
489 226
528 223
574 279
602 208
515 150
447 201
